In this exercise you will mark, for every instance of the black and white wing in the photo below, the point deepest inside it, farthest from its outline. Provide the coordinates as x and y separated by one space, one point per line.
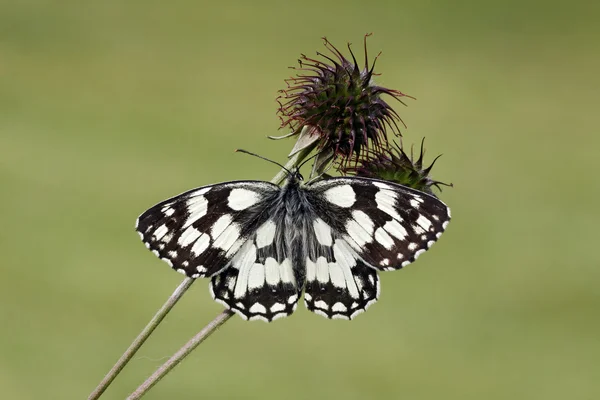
223 231
198 232
365 225
261 282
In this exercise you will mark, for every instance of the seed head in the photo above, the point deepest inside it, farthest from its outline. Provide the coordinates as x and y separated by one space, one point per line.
394 165
339 102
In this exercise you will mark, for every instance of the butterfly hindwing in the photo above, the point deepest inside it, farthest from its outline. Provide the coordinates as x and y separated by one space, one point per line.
260 282
338 283
198 232
387 225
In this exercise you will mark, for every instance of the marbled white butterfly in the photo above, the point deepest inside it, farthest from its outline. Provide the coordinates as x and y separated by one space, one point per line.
263 245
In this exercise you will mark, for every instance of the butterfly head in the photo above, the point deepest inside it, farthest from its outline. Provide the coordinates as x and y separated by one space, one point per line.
294 176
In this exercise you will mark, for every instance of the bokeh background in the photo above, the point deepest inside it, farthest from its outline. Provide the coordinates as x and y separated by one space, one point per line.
109 107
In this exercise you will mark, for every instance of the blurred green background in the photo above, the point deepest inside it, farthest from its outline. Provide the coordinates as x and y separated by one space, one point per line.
109 107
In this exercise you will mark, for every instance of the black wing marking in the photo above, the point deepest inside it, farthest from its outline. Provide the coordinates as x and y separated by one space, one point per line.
338 283
386 224
261 283
198 232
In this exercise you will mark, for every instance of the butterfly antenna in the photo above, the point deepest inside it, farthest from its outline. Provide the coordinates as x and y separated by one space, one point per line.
308 159
264 158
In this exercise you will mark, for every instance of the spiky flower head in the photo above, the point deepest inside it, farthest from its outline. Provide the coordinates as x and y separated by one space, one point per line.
340 103
394 165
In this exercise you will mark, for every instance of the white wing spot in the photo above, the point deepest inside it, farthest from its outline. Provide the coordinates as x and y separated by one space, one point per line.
272 271
323 232
430 243
385 262
405 263
277 307
395 229
418 253
336 275
287 272
371 279
307 297
339 307
341 196
424 222
363 220
357 233
435 217
256 277
445 224
231 284
382 185
167 238
345 260
386 200
240 199
188 236
197 207
244 262
265 234
412 246
414 203
219 226
228 238
292 299
200 192
321 304
384 239
322 270
200 245
418 229
311 270
169 211
160 232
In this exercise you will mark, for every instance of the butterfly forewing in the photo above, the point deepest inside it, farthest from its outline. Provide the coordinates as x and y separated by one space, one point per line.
387 225
198 232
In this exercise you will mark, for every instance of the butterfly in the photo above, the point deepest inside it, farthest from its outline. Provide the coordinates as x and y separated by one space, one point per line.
263 245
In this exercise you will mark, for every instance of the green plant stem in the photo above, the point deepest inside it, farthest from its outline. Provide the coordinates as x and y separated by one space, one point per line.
181 354
221 318
142 337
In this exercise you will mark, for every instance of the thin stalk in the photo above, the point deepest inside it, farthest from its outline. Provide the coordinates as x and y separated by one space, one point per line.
142 337
181 354
220 319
